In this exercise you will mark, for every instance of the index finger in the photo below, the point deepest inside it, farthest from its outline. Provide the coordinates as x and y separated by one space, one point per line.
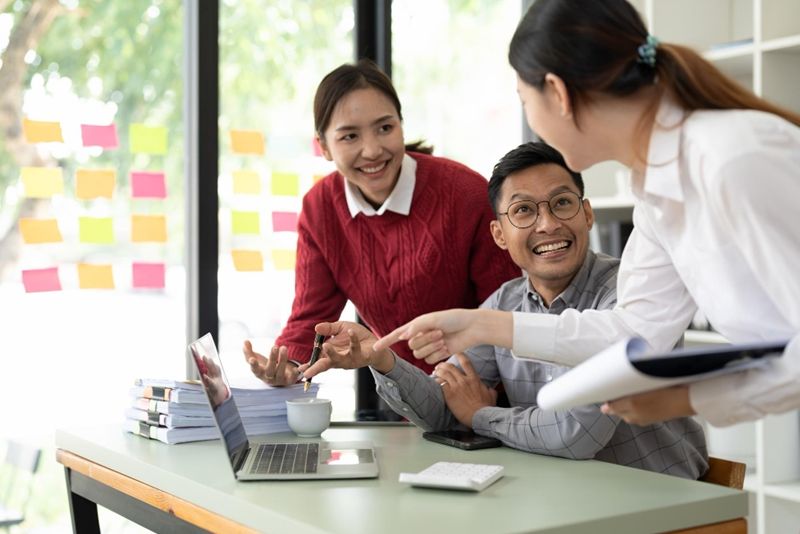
398 334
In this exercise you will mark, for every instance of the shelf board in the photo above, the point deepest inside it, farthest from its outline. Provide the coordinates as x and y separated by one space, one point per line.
791 42
789 491
744 50
612 209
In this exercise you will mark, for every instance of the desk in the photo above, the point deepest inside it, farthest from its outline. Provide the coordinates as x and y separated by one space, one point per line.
135 477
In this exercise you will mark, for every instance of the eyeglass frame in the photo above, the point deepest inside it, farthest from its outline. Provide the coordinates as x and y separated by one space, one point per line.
538 211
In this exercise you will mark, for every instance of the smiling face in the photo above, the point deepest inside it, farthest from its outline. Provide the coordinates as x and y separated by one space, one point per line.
365 141
551 251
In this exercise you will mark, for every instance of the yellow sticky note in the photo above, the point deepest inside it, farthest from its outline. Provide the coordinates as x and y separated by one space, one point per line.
247 260
95 229
148 139
148 228
95 276
245 222
285 184
40 231
246 183
42 131
247 142
95 183
283 259
42 182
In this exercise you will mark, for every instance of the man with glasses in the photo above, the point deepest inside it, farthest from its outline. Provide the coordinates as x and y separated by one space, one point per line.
544 222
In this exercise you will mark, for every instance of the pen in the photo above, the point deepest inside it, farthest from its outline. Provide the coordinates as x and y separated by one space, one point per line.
318 339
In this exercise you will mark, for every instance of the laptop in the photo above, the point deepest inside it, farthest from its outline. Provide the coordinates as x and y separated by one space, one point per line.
289 459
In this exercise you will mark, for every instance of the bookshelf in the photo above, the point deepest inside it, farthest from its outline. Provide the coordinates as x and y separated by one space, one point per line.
756 42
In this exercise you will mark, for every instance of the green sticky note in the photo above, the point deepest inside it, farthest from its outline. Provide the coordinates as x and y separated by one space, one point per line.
245 222
148 139
96 230
285 184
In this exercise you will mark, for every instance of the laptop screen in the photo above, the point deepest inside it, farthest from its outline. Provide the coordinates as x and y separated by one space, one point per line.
218 390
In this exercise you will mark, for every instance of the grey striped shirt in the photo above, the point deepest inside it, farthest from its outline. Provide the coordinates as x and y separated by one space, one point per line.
676 447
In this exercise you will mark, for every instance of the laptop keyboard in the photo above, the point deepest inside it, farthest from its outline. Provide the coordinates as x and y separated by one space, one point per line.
286 458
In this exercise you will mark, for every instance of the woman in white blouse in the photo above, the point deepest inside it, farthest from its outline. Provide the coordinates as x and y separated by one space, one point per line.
716 182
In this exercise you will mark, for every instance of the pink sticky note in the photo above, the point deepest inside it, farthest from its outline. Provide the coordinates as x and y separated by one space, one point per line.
315 147
284 221
148 275
148 185
99 135
36 280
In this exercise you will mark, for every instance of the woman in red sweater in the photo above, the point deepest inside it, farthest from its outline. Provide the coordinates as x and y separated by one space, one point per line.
397 231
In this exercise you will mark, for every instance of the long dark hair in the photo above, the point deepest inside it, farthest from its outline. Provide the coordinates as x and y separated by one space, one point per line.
593 47
341 81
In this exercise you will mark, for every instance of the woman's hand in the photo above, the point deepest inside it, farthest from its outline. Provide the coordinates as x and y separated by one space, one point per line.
275 370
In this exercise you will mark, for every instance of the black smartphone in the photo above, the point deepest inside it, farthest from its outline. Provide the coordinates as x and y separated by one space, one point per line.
463 439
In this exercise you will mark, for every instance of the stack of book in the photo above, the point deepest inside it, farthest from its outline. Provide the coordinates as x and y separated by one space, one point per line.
175 411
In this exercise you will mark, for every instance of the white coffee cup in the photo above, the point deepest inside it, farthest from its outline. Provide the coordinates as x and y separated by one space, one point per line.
308 418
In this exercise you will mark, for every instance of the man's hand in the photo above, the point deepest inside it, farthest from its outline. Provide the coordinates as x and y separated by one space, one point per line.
350 347
463 390
652 407
435 336
275 370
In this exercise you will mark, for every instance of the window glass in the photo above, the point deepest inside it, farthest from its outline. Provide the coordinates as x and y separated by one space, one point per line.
450 68
91 216
272 56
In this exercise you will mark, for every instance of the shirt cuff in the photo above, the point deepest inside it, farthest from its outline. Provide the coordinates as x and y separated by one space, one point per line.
534 335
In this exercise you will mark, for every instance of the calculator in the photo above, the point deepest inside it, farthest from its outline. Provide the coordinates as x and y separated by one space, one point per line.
455 475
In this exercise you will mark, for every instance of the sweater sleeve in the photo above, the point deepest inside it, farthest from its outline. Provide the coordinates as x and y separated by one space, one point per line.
317 297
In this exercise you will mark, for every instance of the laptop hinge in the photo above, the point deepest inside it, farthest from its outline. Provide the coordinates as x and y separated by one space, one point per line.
240 461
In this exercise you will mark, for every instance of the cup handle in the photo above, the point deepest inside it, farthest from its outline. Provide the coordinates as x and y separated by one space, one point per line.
330 409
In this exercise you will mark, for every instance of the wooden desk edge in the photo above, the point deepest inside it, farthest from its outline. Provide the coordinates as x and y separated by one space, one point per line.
152 496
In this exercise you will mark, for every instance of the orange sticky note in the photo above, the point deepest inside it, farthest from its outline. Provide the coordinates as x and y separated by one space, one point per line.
148 139
148 275
96 230
247 142
283 259
285 184
40 231
42 182
36 280
247 260
246 183
95 276
318 177
148 228
245 222
42 131
95 183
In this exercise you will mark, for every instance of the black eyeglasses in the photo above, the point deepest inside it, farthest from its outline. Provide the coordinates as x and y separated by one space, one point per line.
524 213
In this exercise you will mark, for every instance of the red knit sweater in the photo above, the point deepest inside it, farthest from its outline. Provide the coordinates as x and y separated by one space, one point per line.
395 267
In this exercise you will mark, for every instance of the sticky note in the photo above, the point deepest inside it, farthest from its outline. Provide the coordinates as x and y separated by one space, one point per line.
315 147
96 229
245 222
95 276
95 183
40 231
104 136
317 177
148 139
284 221
247 260
42 182
148 275
36 280
148 185
247 142
285 184
246 183
42 131
148 228
283 259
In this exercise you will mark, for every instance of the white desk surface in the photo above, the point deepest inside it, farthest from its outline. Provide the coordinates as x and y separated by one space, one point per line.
537 494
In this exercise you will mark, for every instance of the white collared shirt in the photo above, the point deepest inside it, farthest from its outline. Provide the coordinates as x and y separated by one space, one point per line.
716 226
398 201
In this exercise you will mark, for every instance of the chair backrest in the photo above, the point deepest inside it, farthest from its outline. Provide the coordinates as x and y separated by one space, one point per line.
725 473
21 463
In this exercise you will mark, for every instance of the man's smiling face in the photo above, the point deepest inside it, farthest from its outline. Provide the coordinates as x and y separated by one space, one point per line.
551 250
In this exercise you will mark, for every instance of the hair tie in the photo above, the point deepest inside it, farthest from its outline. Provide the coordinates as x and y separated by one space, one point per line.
647 51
